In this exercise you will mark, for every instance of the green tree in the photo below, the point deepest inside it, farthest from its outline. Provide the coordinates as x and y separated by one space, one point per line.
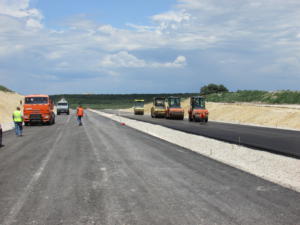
213 88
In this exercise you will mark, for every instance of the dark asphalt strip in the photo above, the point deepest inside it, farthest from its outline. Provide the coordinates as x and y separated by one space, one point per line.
279 141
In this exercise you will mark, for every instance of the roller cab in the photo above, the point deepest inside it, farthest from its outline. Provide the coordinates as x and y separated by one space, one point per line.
197 111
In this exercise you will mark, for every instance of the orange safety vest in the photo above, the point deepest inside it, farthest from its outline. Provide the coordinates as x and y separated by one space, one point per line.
79 111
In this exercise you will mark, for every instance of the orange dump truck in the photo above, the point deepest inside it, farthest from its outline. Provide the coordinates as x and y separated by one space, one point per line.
197 111
174 109
38 109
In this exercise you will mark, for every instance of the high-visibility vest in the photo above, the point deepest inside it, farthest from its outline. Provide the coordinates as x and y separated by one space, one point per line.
18 116
79 111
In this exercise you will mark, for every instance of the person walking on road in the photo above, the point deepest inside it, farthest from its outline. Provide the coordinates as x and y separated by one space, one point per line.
18 120
80 113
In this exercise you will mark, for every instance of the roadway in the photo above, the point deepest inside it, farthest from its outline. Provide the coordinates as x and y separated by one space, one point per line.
280 141
104 173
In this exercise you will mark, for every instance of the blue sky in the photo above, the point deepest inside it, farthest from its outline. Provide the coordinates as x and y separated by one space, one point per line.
114 12
136 46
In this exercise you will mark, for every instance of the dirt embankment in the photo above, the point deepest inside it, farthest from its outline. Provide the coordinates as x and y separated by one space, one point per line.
281 116
8 103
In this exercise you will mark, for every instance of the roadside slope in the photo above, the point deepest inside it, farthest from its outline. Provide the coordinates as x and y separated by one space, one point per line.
8 103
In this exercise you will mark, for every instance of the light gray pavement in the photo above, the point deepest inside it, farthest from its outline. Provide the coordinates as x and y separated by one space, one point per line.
105 173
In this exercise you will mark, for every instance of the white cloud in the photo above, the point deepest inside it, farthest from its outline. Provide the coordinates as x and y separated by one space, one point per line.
19 9
172 16
259 32
126 60
33 23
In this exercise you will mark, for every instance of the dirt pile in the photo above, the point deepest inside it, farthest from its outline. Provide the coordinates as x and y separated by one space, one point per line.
8 103
281 116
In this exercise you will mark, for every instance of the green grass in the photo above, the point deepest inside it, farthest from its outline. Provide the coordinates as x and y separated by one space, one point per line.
277 97
103 101
5 89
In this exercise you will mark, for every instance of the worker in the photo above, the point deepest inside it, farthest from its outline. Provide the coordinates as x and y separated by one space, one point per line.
80 113
1 136
18 120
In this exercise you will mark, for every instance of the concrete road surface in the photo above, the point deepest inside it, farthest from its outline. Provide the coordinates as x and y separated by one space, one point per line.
105 173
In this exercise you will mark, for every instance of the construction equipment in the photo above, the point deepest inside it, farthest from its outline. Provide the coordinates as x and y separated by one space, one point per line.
174 109
159 107
62 107
38 109
138 107
197 110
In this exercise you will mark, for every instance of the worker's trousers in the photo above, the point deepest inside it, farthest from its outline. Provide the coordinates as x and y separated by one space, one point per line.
79 119
18 128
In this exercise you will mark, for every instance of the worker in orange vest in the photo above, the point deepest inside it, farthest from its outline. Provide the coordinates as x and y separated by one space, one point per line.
80 113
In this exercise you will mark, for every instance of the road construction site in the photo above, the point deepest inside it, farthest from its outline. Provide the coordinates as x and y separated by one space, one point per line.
106 172
127 167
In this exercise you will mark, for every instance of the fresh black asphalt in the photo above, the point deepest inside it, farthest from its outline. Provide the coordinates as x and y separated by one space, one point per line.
280 141
107 174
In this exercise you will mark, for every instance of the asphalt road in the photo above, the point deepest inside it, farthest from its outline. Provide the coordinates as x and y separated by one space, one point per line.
285 142
105 173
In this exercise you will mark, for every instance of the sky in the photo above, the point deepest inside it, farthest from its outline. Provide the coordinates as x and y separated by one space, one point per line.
158 46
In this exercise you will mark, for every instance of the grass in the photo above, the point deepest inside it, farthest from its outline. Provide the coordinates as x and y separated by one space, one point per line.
5 89
277 97
103 101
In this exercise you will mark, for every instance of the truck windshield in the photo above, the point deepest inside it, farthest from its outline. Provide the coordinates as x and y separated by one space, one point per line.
36 100
159 102
174 102
63 104
139 104
199 103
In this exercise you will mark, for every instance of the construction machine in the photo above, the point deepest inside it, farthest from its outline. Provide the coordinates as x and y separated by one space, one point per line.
174 109
159 107
138 107
197 111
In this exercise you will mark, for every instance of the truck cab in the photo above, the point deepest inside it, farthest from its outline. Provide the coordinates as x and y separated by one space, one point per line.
159 107
38 109
62 106
174 109
138 107
197 110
